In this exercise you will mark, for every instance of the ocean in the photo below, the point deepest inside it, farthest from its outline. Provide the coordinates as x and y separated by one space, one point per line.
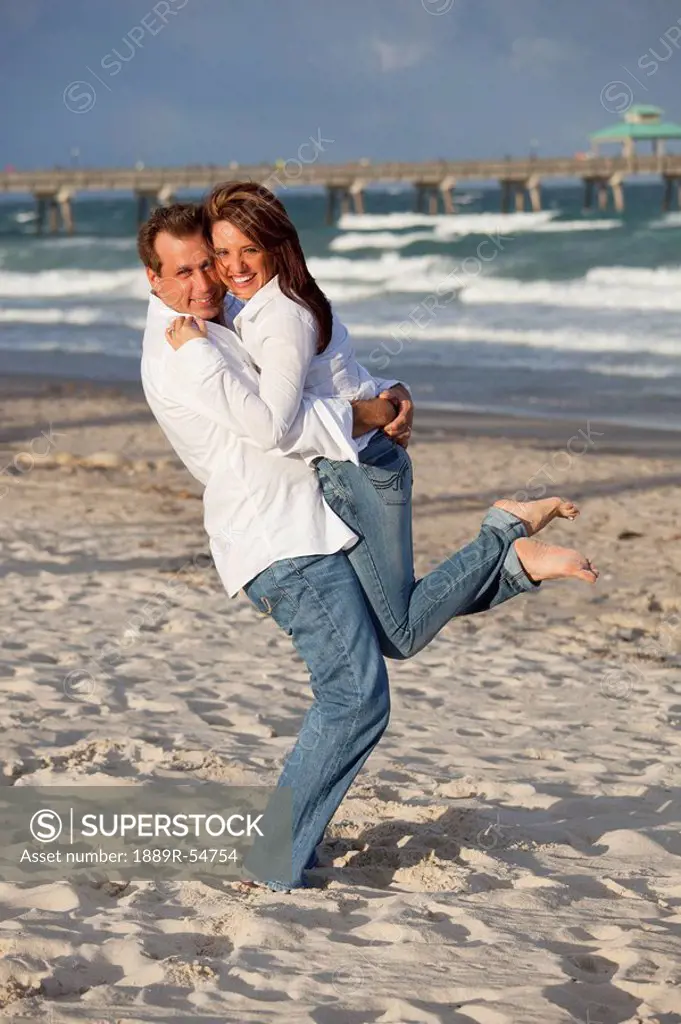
554 314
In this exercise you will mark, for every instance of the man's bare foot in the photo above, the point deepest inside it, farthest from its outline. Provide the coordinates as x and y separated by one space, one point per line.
246 885
538 514
548 562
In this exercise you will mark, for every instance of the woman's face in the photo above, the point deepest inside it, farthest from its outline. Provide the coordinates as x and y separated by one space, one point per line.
242 266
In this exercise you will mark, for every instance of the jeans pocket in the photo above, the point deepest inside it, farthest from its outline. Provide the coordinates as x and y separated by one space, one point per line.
391 478
337 492
267 595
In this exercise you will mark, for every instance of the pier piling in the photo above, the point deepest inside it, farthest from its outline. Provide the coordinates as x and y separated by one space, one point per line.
672 183
53 209
533 187
63 200
419 198
617 192
516 192
356 191
601 187
446 189
349 198
149 199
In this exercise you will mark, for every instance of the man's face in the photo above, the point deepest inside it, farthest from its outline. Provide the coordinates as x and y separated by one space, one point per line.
187 281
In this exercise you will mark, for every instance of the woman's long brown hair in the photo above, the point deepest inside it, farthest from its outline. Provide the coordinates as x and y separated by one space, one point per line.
255 211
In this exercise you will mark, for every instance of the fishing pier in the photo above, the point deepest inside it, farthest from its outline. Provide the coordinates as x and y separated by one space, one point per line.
433 182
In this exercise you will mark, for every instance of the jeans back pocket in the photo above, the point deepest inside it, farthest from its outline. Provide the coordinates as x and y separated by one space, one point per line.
390 475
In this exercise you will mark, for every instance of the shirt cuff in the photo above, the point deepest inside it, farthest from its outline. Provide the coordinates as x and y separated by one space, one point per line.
383 385
337 417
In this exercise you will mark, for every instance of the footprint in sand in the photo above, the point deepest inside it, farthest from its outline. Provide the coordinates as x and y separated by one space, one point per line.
587 966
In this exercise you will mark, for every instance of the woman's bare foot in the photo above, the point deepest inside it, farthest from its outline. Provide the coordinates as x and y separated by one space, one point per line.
548 562
538 514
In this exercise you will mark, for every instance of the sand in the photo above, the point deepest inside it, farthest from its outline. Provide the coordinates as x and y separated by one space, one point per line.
511 852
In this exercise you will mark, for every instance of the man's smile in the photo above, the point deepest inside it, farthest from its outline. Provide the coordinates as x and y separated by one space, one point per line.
209 302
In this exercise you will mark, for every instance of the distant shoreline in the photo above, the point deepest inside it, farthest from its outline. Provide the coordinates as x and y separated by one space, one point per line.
434 421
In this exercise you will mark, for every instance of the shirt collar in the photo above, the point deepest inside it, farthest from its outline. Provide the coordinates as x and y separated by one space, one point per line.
159 315
159 310
264 295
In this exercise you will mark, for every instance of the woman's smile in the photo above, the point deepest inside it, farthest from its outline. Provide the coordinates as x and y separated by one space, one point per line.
241 280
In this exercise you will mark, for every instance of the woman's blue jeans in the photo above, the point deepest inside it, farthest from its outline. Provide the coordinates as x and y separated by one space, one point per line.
375 500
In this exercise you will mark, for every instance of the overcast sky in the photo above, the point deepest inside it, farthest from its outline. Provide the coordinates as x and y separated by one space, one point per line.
194 81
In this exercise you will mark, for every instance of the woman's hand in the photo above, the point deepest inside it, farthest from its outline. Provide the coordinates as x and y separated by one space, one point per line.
183 329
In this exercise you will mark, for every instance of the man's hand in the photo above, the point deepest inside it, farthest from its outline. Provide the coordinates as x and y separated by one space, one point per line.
371 413
399 429
183 329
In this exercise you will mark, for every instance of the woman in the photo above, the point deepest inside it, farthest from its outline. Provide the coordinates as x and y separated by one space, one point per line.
299 345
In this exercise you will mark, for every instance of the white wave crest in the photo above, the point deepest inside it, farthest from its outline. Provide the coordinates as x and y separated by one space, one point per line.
343 279
339 291
79 348
385 268
556 226
64 283
603 288
466 223
77 315
636 277
567 339
86 242
378 240
502 226
648 370
635 288
507 225
669 220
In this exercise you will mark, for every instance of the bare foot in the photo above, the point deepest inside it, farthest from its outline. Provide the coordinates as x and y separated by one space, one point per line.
246 885
538 514
548 562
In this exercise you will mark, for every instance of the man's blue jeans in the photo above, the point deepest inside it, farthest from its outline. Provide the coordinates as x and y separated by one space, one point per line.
344 610
317 600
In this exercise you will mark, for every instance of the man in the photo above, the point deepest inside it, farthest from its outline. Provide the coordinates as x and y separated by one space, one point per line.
264 514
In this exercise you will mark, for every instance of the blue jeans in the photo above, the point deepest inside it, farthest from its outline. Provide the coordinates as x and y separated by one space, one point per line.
317 600
344 610
374 499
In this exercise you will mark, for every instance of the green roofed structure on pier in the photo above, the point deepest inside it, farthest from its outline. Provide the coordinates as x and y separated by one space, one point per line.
641 123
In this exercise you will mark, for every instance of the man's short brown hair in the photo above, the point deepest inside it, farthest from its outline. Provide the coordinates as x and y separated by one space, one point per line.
178 219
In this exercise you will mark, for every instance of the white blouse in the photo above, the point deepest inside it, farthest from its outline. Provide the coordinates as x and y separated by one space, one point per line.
280 336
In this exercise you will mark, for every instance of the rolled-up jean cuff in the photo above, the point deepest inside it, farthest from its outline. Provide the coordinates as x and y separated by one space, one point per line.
515 574
500 519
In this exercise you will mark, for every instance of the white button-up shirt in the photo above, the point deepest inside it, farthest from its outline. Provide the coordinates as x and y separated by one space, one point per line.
281 337
261 503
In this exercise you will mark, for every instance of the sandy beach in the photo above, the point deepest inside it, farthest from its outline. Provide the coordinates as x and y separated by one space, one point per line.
511 852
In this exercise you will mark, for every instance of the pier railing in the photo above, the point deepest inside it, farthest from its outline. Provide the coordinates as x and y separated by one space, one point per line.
345 184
